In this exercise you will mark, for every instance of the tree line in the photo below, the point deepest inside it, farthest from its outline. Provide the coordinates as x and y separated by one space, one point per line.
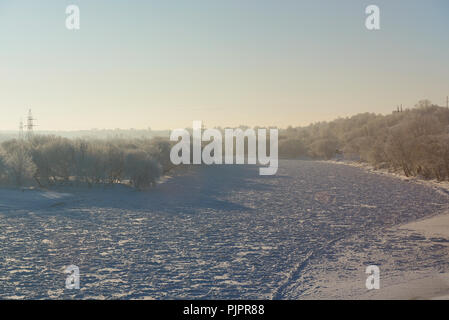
51 160
415 141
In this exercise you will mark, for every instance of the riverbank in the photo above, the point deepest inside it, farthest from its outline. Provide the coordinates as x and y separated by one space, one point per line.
440 185
429 283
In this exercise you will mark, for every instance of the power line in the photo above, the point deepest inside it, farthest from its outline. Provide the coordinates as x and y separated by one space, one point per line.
30 125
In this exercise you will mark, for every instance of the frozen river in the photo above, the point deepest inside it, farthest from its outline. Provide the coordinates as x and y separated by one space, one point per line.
219 232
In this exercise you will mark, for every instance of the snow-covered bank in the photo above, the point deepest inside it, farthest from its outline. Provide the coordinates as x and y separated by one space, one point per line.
428 285
429 282
30 199
439 185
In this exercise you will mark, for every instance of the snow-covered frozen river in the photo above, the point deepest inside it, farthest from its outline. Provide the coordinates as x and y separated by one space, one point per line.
219 232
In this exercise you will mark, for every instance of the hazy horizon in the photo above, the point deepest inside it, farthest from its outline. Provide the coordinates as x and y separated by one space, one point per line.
163 65
205 125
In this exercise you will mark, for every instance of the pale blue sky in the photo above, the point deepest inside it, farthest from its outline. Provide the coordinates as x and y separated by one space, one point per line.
163 64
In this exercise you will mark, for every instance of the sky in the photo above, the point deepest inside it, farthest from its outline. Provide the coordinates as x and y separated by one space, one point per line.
163 64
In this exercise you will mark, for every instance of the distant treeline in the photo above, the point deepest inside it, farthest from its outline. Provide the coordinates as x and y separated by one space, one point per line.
98 134
415 141
50 160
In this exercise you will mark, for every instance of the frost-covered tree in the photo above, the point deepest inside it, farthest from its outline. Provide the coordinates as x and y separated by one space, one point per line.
141 169
19 166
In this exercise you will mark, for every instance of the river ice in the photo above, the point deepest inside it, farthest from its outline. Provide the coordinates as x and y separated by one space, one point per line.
219 232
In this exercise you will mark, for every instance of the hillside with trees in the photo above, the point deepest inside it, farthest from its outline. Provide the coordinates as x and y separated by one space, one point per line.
415 141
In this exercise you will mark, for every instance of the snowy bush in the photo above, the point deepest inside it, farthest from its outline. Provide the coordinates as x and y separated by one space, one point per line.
18 165
141 169
50 160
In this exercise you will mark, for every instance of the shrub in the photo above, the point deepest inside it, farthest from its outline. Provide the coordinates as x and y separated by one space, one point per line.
141 169
51 160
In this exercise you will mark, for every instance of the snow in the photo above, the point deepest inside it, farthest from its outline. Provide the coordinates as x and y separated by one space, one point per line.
224 232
